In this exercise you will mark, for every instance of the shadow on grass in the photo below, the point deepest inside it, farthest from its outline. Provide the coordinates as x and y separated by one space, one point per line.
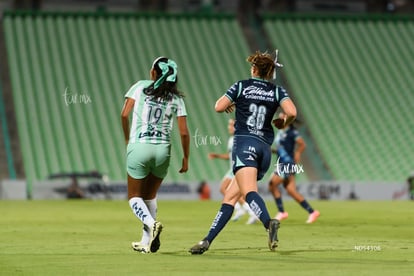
252 250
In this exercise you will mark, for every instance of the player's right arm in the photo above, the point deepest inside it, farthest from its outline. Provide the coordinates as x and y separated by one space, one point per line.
224 104
227 101
300 146
126 110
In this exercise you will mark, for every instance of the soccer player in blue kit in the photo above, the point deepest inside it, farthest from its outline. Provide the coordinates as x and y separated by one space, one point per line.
256 101
289 148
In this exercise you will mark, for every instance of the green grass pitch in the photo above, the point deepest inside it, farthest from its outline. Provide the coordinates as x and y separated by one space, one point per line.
93 238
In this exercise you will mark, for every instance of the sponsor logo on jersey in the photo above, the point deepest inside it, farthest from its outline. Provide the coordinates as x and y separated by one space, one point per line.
154 133
254 92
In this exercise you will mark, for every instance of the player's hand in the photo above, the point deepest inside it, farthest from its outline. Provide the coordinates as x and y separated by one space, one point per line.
184 165
279 123
212 155
230 109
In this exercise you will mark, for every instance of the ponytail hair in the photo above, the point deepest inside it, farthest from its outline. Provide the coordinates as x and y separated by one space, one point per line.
165 83
264 63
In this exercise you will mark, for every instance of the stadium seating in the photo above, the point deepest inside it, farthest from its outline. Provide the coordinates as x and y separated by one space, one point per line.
57 57
352 78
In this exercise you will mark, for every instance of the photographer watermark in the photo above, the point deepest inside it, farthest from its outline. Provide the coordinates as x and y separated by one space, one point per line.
204 140
288 168
366 248
76 98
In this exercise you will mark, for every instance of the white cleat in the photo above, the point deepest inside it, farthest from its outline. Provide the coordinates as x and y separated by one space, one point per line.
281 216
144 249
252 220
313 217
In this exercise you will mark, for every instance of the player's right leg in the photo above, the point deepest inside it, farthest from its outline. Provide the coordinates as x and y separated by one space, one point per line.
231 196
274 185
140 210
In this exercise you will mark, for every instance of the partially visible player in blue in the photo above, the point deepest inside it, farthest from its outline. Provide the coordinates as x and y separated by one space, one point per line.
154 104
255 101
289 148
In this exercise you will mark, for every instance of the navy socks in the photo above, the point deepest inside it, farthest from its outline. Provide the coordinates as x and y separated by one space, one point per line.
279 204
221 219
306 206
258 207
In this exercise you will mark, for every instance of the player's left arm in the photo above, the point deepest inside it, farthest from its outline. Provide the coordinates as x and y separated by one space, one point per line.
225 156
288 108
300 146
126 110
185 142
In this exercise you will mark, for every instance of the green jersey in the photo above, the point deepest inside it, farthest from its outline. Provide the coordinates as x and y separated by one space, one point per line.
152 119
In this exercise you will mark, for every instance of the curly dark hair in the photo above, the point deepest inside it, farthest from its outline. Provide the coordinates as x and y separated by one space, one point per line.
264 63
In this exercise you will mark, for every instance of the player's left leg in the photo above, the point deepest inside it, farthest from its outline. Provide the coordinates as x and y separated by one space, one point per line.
292 191
144 205
136 200
140 210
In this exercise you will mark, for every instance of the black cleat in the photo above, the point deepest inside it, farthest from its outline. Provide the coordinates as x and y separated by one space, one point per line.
200 247
273 227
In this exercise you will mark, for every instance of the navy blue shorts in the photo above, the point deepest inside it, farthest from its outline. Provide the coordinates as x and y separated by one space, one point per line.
251 152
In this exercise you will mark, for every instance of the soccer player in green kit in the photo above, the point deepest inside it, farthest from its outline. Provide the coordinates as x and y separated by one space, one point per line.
153 103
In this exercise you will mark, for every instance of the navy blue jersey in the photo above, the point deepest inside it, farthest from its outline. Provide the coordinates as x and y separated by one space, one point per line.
256 103
285 142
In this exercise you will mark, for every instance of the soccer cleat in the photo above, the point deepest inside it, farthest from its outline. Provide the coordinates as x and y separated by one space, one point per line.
273 227
144 249
281 216
313 216
200 247
238 215
252 220
155 236
156 244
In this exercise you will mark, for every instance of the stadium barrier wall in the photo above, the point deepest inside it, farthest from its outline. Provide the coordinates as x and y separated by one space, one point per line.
12 189
117 190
